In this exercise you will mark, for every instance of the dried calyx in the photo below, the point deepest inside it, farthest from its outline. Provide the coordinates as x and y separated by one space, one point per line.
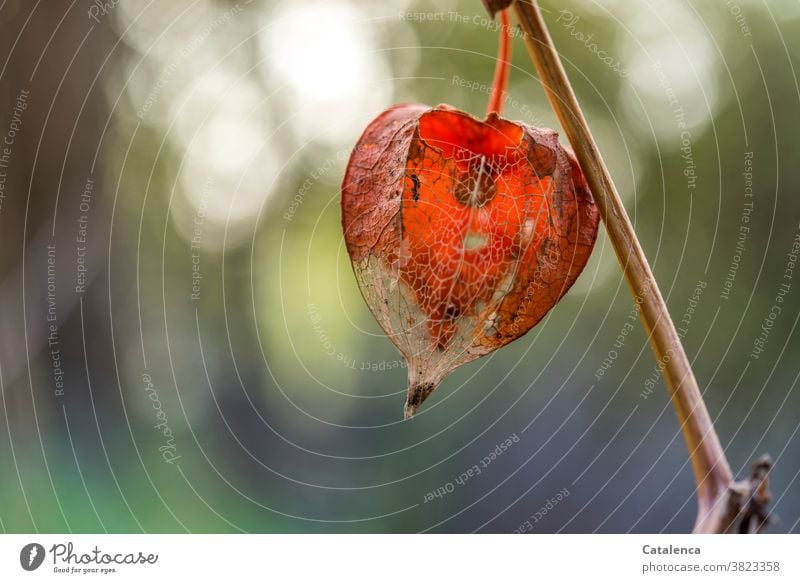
463 233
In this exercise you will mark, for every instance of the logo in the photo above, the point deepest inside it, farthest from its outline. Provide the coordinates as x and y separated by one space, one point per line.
31 556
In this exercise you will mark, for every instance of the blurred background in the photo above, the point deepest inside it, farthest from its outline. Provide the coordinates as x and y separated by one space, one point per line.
183 346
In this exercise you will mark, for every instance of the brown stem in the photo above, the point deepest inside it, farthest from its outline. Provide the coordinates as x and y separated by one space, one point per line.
711 469
500 81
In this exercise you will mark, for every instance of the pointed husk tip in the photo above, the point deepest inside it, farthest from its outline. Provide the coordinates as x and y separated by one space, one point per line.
417 393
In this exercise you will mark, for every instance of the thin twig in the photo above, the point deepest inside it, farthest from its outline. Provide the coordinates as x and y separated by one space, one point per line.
711 469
